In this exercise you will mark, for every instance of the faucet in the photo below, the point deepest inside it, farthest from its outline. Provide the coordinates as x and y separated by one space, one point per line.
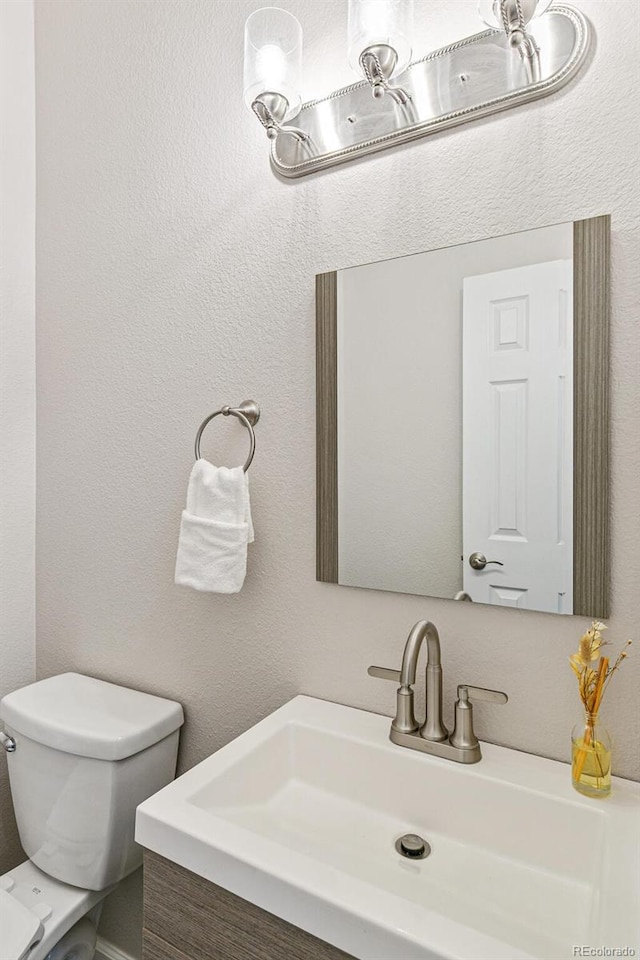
433 737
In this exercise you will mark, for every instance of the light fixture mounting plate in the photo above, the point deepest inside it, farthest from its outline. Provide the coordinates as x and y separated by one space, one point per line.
476 77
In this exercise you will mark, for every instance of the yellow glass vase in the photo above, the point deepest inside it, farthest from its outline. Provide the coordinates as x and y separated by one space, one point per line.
591 758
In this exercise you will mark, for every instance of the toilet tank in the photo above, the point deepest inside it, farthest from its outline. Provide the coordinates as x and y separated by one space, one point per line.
87 753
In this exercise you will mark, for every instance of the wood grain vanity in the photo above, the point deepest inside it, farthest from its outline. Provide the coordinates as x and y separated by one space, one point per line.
188 918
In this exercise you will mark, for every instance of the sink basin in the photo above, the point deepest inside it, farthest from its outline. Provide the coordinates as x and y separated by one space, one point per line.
301 813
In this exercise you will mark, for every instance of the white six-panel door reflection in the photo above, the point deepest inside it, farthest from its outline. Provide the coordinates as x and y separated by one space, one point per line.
518 436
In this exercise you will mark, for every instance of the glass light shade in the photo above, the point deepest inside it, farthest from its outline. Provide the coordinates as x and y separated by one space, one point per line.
273 57
489 11
380 21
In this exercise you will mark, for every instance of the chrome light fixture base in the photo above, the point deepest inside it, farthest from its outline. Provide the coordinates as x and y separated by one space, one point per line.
515 17
476 77
377 64
271 109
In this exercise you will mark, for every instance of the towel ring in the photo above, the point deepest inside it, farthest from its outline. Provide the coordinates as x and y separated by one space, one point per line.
248 413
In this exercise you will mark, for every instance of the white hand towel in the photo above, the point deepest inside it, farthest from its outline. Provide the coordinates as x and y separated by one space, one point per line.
215 529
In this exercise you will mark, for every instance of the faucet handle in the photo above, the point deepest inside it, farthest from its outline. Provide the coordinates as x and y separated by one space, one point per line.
384 673
404 720
463 735
481 693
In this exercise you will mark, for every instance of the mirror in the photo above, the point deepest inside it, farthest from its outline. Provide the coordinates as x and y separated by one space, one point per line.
462 421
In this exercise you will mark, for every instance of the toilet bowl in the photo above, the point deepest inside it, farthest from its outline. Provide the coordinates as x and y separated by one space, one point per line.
82 754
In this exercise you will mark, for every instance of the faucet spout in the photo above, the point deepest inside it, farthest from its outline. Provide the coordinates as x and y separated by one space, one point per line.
425 632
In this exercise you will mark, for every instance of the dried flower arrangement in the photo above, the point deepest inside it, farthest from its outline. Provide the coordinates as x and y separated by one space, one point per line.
593 681
594 674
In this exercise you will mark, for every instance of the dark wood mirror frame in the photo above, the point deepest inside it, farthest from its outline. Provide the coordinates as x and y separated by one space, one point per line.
591 307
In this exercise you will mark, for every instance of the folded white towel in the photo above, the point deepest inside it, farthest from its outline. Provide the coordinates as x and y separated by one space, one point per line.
215 529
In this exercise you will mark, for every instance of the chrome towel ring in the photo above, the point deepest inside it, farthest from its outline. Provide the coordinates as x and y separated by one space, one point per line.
248 413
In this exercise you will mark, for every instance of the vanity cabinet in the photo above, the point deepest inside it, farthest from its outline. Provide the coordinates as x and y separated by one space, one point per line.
189 918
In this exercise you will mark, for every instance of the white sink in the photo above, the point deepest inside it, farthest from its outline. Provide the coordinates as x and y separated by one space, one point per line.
300 815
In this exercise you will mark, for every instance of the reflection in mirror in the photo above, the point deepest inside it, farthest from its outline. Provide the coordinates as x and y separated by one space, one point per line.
462 422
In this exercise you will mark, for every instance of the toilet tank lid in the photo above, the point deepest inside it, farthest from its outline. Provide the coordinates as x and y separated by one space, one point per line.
89 717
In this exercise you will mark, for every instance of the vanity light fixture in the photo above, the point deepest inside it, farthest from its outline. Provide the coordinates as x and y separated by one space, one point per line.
380 43
511 15
273 69
532 49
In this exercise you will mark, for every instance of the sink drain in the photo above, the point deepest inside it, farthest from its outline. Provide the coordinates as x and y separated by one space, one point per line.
413 847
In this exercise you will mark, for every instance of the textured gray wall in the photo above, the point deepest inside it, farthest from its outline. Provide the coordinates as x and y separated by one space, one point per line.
176 273
17 376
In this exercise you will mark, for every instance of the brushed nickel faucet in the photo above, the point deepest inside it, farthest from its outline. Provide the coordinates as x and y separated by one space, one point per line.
433 737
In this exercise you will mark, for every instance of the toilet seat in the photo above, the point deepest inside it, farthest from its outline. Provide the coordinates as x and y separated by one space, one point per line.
20 929
54 904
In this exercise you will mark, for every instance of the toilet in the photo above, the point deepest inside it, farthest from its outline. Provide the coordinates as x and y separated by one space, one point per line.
82 754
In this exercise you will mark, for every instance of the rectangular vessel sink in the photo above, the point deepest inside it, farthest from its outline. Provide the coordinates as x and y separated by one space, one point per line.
300 816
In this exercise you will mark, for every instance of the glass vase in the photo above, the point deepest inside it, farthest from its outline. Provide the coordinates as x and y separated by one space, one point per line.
591 758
